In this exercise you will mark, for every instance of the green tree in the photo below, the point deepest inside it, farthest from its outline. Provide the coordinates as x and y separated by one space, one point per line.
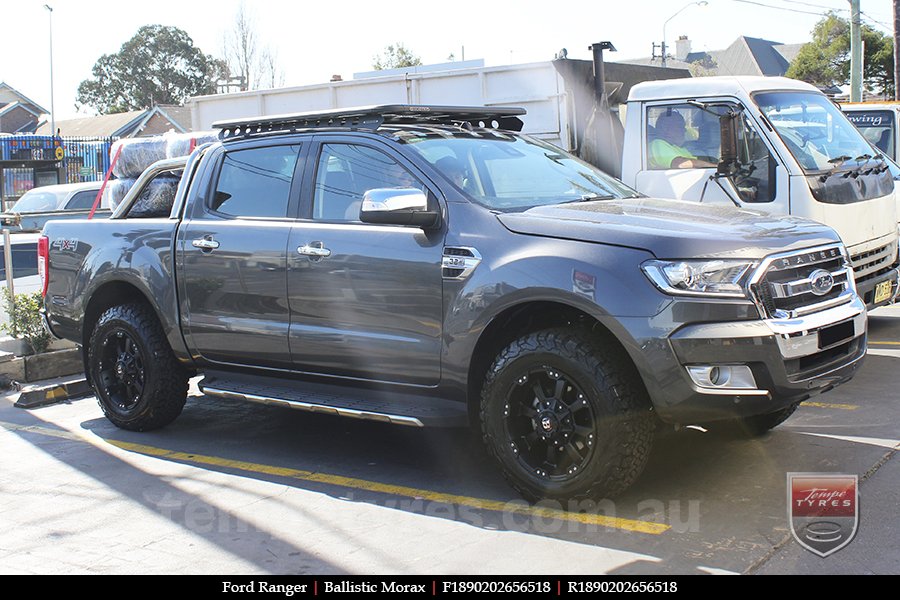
878 70
396 56
825 60
159 65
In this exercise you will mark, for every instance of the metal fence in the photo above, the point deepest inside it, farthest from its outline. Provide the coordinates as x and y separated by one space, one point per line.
26 161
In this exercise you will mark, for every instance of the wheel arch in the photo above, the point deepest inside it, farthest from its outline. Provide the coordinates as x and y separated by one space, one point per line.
107 295
527 317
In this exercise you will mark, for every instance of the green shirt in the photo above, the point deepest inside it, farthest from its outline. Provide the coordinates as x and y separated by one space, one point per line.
662 153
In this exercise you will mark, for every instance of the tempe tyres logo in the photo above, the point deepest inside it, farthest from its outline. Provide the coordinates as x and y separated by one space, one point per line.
823 510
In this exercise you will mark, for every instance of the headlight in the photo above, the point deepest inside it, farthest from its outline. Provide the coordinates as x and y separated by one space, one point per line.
725 278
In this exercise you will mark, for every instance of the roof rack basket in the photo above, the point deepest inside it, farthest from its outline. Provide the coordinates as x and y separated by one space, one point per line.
373 117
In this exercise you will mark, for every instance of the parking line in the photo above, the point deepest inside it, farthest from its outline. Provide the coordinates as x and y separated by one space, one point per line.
879 342
831 405
517 507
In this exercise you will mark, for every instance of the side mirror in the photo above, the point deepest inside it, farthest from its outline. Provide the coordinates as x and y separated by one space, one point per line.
728 134
400 206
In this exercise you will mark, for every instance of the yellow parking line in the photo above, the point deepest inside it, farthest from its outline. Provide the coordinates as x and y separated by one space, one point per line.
362 484
831 405
399 490
871 342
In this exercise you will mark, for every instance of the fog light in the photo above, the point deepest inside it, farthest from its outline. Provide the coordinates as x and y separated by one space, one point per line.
737 377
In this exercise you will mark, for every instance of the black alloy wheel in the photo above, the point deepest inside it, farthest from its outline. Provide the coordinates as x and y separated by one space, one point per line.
550 426
122 369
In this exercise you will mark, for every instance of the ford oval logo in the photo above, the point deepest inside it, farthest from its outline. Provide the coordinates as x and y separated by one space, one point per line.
821 282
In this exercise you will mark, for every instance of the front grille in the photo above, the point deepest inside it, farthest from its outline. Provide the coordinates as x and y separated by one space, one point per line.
787 285
874 263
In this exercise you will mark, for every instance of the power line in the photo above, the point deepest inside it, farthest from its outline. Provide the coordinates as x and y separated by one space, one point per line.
793 10
876 21
818 14
817 5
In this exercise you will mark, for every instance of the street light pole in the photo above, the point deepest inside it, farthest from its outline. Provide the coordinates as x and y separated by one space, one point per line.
52 107
680 10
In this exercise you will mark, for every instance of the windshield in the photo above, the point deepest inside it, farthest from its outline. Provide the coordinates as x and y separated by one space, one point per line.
510 172
36 201
813 129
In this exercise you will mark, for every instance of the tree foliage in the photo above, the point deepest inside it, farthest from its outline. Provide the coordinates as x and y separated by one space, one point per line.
825 60
25 320
396 56
159 65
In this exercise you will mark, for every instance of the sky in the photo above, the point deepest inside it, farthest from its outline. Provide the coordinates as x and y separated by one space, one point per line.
314 40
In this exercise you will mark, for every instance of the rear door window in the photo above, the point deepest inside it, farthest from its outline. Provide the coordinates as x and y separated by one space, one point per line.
256 182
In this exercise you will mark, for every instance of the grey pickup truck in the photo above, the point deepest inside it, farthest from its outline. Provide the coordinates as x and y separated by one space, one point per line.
432 266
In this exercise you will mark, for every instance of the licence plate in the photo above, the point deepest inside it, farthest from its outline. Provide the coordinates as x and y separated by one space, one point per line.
836 334
882 291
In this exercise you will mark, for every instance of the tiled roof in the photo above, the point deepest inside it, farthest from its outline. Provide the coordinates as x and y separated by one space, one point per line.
126 124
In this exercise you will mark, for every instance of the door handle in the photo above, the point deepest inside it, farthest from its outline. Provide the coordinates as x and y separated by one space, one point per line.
205 244
314 250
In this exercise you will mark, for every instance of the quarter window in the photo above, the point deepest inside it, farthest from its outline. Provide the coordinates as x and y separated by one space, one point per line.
82 200
256 182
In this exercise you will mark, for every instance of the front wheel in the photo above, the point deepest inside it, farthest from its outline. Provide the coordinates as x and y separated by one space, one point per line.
140 384
565 417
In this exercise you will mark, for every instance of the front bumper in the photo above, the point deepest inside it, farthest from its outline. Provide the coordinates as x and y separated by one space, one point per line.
866 289
791 360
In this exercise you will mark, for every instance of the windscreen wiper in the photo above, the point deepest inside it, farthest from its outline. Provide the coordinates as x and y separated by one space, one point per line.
835 163
591 198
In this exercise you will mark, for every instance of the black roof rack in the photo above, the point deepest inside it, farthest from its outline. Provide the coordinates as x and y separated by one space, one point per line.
372 117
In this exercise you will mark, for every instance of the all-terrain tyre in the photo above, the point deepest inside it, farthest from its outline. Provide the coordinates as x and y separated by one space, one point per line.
139 383
566 417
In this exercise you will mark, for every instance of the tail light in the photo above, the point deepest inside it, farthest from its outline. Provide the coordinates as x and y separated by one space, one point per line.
44 263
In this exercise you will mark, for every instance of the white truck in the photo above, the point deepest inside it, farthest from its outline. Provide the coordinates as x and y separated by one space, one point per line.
793 151
771 144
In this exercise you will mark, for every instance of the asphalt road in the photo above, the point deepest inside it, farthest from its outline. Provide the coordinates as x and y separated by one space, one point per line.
240 488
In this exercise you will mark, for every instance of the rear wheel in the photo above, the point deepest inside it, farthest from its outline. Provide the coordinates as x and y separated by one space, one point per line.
139 383
565 418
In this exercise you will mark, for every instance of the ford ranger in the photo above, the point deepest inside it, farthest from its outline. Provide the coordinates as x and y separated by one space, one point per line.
431 266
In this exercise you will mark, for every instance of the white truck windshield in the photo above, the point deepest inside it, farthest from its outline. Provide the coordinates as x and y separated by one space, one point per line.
815 131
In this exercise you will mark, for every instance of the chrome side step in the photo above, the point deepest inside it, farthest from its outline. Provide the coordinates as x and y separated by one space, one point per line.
319 408
383 406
